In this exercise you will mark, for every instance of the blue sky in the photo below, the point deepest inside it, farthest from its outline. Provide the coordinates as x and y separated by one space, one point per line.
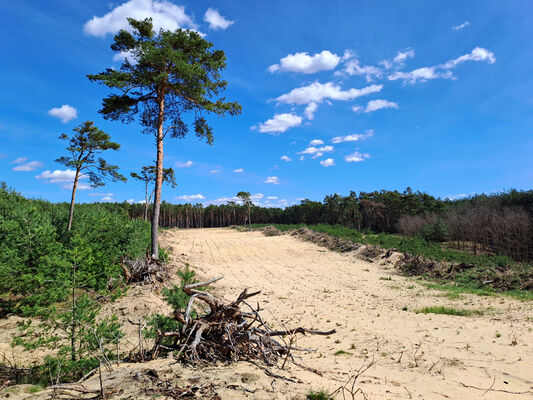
357 95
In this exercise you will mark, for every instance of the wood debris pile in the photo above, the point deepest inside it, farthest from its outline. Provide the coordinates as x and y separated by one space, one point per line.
227 333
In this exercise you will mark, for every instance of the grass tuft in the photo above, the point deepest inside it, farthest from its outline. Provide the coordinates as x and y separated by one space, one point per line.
448 311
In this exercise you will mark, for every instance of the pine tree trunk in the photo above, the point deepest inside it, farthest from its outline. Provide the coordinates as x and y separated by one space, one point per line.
146 202
71 211
159 178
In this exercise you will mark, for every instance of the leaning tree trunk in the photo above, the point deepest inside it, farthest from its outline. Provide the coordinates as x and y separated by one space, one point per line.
71 211
159 178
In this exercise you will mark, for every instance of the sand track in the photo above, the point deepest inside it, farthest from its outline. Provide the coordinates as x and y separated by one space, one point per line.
374 316
417 356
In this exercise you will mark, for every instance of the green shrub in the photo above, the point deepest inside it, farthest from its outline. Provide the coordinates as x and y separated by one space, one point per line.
36 250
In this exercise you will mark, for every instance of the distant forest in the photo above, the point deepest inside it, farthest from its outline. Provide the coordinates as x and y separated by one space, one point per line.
500 223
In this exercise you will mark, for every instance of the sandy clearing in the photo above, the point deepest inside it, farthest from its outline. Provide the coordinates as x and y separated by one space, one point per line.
303 284
417 356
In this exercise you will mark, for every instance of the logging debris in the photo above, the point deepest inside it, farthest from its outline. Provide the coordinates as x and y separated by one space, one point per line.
144 270
227 333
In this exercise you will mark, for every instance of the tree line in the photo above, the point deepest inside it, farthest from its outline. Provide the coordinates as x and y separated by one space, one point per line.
500 223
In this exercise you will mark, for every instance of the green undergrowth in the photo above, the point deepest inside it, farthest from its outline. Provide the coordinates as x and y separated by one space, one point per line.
36 250
481 275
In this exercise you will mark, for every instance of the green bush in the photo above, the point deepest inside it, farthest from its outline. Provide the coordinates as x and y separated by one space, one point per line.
36 250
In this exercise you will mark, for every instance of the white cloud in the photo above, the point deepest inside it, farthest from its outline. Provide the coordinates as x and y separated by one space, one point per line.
186 164
328 162
30 166
316 152
65 113
309 111
286 158
272 197
59 176
356 157
280 123
316 142
461 26
130 201
420 75
305 64
108 199
401 56
164 14
357 108
101 194
190 197
214 171
443 71
353 67
379 104
478 54
354 137
318 92
20 160
272 179
302 158
215 20
257 196
125 55
238 170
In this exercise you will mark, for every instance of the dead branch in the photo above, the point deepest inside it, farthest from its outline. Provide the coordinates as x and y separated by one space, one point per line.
227 332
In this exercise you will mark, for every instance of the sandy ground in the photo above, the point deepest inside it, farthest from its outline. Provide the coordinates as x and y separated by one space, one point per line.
416 356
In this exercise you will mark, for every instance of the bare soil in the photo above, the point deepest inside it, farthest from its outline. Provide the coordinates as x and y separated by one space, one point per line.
417 356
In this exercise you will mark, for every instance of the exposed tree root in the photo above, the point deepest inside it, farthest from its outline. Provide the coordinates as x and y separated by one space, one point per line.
227 333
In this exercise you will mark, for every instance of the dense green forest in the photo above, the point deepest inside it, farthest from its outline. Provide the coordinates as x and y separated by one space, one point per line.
500 223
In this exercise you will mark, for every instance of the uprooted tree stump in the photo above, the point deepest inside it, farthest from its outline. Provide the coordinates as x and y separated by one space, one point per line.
228 332
143 270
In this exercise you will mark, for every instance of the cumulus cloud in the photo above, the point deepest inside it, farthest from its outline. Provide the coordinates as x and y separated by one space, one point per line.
316 152
304 63
354 67
164 14
238 170
30 166
379 104
286 158
316 142
65 113
461 26
272 179
65 178
20 160
59 176
190 197
309 111
215 20
328 162
401 56
478 54
354 137
317 92
214 171
442 71
423 74
356 157
186 164
272 197
280 123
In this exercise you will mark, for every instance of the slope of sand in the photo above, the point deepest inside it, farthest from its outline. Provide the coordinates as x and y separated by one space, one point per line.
416 356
